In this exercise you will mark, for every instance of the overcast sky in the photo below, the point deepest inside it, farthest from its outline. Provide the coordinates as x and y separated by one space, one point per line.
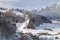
27 4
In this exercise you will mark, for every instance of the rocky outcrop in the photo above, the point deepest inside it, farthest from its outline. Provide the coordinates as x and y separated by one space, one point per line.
36 20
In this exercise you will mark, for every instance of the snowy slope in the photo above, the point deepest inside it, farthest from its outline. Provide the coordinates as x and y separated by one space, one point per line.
50 12
20 26
39 29
18 13
48 25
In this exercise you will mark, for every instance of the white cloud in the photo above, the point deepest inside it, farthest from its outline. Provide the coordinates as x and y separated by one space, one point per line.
7 3
26 4
8 0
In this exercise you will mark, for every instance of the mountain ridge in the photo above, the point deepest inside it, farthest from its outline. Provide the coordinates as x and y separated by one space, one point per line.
49 12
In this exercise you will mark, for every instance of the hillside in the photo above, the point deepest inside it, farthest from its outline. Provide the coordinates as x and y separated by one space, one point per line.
52 12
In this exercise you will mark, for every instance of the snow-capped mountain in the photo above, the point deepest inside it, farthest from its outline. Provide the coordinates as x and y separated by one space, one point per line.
50 12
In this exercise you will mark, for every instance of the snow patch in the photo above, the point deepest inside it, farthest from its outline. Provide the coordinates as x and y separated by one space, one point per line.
18 13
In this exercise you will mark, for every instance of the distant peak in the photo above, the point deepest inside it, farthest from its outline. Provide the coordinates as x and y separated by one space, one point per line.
58 3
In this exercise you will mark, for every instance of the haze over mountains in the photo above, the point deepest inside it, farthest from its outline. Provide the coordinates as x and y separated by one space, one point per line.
52 12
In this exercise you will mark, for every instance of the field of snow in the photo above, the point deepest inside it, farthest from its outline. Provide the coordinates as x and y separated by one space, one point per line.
54 26
49 37
48 25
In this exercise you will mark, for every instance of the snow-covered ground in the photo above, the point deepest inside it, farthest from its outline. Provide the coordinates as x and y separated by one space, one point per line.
49 37
56 21
48 25
40 29
54 26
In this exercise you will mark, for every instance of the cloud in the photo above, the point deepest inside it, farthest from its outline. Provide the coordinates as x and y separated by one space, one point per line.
7 0
19 3
7 3
26 4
